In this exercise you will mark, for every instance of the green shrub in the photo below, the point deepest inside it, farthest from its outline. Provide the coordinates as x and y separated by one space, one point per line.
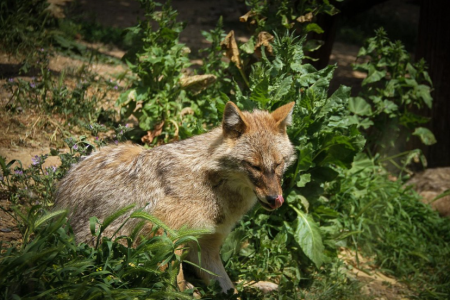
393 91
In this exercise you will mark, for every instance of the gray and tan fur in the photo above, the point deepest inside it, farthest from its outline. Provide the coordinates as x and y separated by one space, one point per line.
209 181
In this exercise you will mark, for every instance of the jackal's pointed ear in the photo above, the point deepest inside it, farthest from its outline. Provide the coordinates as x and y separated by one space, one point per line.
234 123
283 116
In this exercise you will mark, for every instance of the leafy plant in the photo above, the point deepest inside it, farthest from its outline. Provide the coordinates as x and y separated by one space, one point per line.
336 196
53 266
392 91
156 97
283 244
298 16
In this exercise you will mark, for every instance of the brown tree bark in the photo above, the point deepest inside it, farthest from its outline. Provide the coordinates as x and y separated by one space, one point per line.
434 46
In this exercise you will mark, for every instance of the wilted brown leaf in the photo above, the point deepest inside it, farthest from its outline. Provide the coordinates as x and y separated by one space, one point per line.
230 46
264 39
305 18
56 8
151 134
197 83
187 111
245 17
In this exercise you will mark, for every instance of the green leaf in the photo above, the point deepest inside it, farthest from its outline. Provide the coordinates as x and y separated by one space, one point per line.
307 235
283 88
323 174
442 195
47 217
411 70
362 52
424 93
426 136
154 220
93 221
389 91
304 179
260 93
314 27
108 220
374 75
249 46
294 198
359 106
305 158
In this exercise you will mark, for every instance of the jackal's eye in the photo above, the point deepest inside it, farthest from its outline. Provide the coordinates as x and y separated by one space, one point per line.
254 167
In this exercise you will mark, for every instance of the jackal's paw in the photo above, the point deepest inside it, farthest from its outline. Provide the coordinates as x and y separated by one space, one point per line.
264 286
196 293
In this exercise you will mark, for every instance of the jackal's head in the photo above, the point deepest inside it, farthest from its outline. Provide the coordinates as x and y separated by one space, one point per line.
259 150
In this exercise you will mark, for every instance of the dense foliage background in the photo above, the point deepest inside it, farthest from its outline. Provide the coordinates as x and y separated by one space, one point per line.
341 192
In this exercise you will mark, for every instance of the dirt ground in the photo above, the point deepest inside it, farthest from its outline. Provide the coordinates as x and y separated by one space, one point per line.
25 135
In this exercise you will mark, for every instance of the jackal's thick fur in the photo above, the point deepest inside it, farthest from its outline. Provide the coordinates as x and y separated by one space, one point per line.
209 181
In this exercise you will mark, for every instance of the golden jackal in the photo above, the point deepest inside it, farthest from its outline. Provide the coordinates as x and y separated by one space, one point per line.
209 181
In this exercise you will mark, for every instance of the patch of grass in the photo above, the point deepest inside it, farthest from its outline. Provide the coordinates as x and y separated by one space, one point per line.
408 238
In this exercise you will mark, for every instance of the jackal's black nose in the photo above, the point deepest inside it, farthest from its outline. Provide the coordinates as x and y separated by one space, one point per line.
271 200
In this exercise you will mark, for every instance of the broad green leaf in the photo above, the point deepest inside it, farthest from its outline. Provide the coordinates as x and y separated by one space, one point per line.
314 27
426 136
359 106
304 179
374 75
307 235
312 45
411 70
362 52
388 107
361 162
424 93
305 158
249 46
294 198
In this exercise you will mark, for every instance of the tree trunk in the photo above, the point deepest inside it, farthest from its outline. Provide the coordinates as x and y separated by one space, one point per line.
434 46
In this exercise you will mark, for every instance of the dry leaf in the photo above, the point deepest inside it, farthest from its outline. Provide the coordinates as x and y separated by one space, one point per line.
264 39
197 83
232 51
187 111
245 17
151 134
55 8
305 18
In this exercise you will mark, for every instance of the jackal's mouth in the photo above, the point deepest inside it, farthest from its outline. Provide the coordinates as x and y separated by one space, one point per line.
266 206
270 207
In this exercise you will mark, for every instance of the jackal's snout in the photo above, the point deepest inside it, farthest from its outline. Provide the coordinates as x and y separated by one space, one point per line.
275 201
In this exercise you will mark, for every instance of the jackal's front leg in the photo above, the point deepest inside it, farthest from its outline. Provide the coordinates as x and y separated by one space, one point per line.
211 261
